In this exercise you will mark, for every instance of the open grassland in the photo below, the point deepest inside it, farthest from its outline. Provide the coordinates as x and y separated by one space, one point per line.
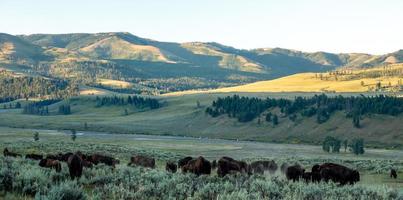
180 115
137 183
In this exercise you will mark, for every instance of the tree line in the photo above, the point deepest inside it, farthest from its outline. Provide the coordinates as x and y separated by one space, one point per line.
39 107
248 108
333 145
136 101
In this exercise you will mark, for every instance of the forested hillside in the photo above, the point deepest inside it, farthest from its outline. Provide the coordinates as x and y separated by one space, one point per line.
14 87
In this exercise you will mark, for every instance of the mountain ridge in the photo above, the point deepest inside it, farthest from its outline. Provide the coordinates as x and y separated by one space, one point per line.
127 57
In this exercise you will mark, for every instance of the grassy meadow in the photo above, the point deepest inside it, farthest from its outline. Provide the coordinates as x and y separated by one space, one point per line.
101 182
179 115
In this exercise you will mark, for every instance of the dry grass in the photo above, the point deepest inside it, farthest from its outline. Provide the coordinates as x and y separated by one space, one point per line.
121 49
114 83
309 82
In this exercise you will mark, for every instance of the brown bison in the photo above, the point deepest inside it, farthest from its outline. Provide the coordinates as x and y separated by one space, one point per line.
142 161
6 153
184 161
393 173
171 167
198 166
227 165
87 164
64 157
339 173
315 173
294 172
75 164
33 156
307 176
98 158
49 163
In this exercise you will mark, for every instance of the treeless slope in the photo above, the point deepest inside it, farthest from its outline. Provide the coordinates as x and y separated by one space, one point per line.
390 78
116 48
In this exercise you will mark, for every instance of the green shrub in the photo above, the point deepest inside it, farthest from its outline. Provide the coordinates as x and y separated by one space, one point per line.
68 190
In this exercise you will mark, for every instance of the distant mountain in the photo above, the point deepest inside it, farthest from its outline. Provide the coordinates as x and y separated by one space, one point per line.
16 50
124 56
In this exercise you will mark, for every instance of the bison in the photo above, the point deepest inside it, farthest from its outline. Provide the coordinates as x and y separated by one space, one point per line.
49 163
33 156
227 165
6 153
197 166
393 173
294 172
75 164
171 167
184 161
143 161
307 176
64 157
98 158
339 173
315 173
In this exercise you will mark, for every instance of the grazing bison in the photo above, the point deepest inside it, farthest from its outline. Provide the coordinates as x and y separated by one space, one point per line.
227 165
6 153
339 173
87 164
51 156
393 173
307 176
64 157
98 158
143 161
33 156
198 166
294 172
315 173
171 167
75 164
184 161
49 163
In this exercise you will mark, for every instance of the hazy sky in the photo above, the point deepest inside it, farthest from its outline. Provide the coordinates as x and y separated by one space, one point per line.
369 26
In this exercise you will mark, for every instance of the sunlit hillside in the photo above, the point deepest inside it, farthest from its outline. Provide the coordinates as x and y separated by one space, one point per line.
386 78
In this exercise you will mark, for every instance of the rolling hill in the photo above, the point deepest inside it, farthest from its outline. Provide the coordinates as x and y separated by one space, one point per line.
162 66
387 78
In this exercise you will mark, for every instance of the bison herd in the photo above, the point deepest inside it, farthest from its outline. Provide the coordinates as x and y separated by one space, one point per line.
201 166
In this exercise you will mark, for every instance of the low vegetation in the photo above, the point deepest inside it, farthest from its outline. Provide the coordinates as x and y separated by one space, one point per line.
28 180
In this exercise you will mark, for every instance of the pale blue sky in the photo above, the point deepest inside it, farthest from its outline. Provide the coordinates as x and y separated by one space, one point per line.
369 26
